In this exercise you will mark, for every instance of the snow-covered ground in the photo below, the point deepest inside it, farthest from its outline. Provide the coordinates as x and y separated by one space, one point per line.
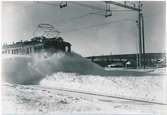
23 99
46 74
148 88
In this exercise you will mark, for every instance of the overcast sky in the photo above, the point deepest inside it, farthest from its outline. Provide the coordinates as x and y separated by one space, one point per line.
89 32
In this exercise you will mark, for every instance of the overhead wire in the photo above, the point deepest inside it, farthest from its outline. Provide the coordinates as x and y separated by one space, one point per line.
76 17
88 14
73 18
46 3
88 6
99 25
98 8
85 15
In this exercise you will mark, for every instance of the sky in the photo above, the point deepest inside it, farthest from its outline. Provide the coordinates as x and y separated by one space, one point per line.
87 29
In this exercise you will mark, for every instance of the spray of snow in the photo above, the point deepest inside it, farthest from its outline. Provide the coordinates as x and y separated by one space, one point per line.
31 69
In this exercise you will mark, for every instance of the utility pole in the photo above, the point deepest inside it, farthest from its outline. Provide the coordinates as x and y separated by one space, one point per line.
143 56
140 22
140 36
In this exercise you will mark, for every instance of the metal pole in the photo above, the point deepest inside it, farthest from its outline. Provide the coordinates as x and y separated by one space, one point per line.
140 40
143 41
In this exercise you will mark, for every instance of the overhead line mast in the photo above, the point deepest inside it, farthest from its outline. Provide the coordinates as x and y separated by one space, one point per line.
123 5
140 23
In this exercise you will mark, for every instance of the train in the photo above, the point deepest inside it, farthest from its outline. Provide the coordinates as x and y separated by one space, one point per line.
36 45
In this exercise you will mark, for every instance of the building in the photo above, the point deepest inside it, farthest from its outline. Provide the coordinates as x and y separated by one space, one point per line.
130 60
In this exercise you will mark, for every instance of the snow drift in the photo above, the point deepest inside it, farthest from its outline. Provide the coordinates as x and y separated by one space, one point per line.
148 88
31 69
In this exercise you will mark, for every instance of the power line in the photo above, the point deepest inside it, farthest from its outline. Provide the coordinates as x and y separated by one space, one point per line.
46 3
77 17
88 6
99 25
85 15
98 13
83 5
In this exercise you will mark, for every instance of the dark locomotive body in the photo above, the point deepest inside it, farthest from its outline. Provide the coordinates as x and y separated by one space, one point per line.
37 44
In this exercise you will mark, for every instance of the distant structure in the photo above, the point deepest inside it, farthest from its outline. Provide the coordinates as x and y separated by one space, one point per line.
130 60
37 44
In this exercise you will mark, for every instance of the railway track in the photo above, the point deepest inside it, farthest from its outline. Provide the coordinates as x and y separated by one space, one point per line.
101 95
87 93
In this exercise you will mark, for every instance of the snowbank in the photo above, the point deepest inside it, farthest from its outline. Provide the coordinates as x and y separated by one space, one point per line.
150 88
19 99
30 70
32 100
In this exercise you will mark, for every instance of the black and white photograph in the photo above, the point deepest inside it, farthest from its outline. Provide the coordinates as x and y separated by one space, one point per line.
83 58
